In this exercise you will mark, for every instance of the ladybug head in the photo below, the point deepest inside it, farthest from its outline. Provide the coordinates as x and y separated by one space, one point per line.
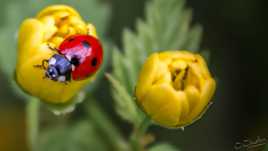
59 68
52 72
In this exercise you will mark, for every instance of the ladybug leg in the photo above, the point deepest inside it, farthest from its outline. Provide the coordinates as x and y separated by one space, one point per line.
44 63
52 48
68 77
45 77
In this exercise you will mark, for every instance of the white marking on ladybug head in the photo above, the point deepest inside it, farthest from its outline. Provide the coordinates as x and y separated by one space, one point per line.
52 61
61 78
53 75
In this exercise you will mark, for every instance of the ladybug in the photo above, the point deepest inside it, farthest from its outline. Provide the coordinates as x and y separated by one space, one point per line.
84 52
78 57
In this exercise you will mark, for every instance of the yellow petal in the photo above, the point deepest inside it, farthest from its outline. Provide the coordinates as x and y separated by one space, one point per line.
49 27
203 66
56 41
207 91
169 55
57 8
148 72
92 30
30 37
161 103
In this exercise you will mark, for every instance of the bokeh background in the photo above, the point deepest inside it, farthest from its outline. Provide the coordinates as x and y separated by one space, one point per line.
234 32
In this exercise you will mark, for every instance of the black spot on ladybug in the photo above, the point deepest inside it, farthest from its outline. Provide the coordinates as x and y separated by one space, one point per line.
94 61
71 39
85 44
75 61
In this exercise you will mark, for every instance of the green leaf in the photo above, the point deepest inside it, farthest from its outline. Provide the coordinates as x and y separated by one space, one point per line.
194 38
105 128
167 26
266 148
163 147
79 137
123 101
205 53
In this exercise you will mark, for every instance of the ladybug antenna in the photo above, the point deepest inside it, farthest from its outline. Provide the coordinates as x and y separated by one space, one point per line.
43 65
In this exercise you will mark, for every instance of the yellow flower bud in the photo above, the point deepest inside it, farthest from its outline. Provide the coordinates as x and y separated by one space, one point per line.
49 28
174 88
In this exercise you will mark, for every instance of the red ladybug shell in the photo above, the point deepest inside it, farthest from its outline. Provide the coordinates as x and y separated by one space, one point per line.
85 52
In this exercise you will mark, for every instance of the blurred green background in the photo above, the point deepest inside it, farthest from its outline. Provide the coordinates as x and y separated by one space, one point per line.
235 34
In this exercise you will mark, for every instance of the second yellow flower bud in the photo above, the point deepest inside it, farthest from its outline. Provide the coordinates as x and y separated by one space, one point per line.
174 88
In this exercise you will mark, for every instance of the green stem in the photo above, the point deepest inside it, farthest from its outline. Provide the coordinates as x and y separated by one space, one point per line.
106 128
138 133
32 111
